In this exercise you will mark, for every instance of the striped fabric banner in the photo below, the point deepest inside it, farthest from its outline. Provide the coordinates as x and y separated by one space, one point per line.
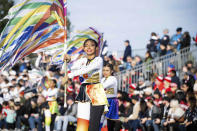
32 25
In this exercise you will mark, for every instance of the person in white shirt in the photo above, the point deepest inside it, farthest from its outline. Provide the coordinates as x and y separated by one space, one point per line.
110 86
51 95
91 98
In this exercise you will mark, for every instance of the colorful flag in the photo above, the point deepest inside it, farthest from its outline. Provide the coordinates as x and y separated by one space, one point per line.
74 46
32 25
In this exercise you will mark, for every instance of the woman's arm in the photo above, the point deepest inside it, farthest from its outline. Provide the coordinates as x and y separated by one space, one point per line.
109 82
95 65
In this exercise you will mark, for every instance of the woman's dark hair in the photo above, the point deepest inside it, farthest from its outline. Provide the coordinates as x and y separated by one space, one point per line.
180 96
110 66
149 56
170 94
143 106
54 81
192 102
151 101
153 34
190 94
96 44
186 34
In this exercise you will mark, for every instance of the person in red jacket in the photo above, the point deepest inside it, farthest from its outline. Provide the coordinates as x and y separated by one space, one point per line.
132 88
159 83
166 82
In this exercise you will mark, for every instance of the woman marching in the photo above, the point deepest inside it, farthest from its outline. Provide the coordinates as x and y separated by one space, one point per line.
91 98
52 110
110 86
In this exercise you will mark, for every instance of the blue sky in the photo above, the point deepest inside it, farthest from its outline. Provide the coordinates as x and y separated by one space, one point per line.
132 19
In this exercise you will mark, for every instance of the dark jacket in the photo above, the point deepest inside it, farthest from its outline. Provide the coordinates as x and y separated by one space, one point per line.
127 52
127 112
190 82
71 110
164 115
186 41
165 40
152 47
163 52
176 80
155 112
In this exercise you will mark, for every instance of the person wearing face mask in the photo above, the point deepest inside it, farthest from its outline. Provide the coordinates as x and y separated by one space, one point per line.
91 98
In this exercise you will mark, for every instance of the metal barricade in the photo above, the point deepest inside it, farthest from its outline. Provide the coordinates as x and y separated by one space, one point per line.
158 66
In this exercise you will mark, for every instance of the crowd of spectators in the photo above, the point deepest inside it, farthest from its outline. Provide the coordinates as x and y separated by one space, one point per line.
162 103
157 47
165 103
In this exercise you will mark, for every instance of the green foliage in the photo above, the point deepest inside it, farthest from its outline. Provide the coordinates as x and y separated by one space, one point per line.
5 5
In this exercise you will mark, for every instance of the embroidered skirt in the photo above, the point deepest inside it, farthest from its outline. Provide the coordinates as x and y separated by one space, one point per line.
113 109
93 93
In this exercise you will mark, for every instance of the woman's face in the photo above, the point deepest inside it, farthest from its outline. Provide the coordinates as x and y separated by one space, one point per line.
50 84
147 55
106 71
166 84
33 103
90 48
184 87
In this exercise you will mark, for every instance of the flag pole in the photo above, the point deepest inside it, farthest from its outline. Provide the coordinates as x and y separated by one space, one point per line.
65 47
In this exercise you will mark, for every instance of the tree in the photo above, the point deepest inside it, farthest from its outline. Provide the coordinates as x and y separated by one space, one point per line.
68 25
5 5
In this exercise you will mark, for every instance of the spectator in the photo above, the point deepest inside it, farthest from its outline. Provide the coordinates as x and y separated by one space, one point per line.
23 65
181 97
176 39
69 115
169 49
128 63
140 87
165 109
174 88
10 118
189 81
143 114
148 57
153 117
174 78
189 65
133 118
34 116
191 115
124 112
157 98
152 45
166 83
138 60
186 40
159 83
162 50
165 39
128 51
132 88
175 116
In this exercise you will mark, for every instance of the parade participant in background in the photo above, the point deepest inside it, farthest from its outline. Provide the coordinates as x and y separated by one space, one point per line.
51 95
110 86
91 98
